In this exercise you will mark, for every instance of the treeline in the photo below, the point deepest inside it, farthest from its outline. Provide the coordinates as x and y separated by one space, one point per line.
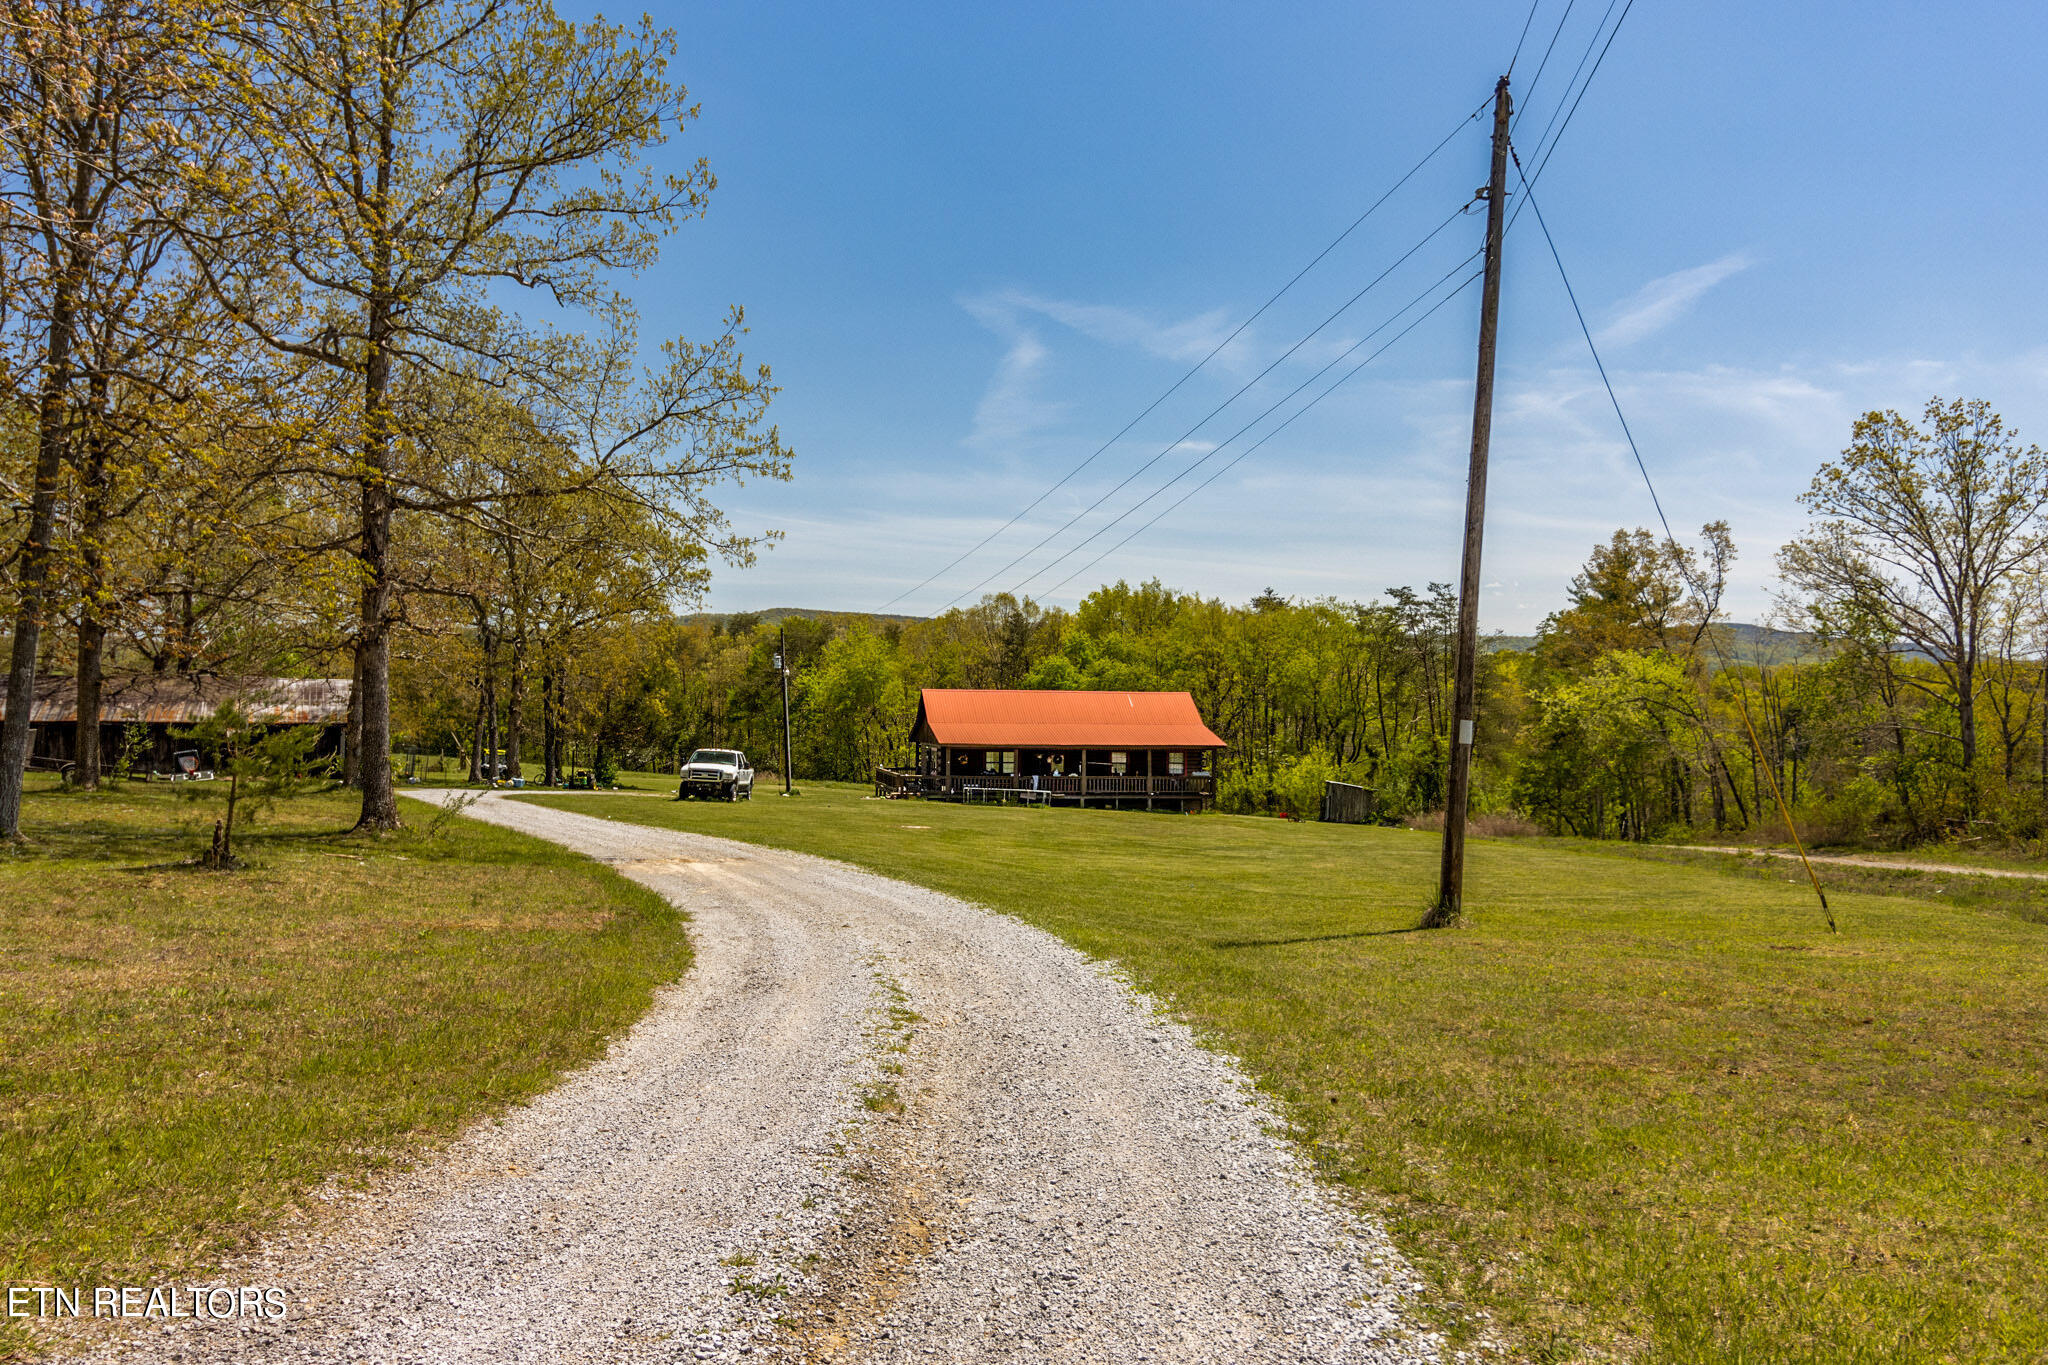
1916 709
266 408
1297 690
266 405
1904 698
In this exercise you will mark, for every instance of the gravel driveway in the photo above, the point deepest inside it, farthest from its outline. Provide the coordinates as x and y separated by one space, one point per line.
873 1123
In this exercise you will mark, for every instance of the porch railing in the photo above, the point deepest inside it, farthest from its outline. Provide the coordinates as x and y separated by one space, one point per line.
900 782
910 782
1079 786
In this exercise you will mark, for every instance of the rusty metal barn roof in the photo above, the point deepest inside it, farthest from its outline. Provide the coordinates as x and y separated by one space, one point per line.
183 699
1063 720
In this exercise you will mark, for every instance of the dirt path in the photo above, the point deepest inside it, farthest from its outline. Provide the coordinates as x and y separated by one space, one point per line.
874 1123
1848 860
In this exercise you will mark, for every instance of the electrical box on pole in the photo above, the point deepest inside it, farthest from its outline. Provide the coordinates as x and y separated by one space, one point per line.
1464 709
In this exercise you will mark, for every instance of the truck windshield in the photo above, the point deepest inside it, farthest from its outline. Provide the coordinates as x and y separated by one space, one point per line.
725 756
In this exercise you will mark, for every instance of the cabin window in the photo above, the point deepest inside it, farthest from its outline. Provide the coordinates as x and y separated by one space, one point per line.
1000 760
1119 762
1176 763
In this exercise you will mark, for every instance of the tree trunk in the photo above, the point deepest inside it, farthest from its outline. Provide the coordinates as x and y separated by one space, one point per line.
92 632
1741 809
551 768
494 742
32 578
188 629
92 636
352 732
561 723
514 696
476 748
1966 722
373 552
489 699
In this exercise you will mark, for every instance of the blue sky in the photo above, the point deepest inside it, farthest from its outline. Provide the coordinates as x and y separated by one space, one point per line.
975 241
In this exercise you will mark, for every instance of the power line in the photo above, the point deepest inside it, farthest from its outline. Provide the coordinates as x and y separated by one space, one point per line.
1335 242
1594 42
1784 808
1274 407
1612 35
1555 34
1533 6
1546 152
1243 430
1171 446
1225 469
1529 194
1570 85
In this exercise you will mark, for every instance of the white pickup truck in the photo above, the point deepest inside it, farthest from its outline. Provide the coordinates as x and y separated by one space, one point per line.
717 772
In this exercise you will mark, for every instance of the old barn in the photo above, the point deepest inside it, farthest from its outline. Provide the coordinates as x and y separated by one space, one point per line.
1148 749
151 708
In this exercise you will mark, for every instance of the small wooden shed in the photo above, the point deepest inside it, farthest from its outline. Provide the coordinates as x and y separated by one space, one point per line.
1148 749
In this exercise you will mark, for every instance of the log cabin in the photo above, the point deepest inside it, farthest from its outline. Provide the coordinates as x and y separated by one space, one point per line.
1121 749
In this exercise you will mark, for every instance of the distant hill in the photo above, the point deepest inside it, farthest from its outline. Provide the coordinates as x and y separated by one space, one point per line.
773 614
1745 642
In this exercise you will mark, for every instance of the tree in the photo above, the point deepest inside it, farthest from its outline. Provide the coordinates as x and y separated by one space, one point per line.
1919 529
859 705
1639 593
262 764
94 98
402 156
155 360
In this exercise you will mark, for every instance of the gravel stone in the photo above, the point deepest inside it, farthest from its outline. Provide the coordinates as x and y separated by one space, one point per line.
873 1123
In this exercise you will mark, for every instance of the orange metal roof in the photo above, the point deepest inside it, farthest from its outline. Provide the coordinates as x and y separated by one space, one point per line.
1062 720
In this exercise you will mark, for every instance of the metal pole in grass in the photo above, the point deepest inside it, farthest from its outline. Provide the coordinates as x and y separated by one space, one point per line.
1451 884
782 667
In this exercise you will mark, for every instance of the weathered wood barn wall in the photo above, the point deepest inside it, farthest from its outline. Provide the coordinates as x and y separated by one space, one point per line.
165 703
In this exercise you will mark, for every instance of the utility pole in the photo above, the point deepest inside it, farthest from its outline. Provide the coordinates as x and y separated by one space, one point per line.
782 667
1450 897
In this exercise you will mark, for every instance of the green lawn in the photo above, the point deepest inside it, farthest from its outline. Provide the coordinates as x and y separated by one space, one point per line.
184 1053
1634 1107
2022 856
452 774
2022 897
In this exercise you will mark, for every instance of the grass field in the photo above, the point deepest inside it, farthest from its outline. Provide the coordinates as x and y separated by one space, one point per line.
2022 897
451 775
184 1053
1634 1108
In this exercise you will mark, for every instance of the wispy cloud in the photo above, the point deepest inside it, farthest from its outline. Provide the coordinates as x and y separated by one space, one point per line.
1369 490
1663 301
1187 341
1011 408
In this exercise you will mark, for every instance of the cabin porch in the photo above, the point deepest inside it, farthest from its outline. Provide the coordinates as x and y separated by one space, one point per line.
1169 779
